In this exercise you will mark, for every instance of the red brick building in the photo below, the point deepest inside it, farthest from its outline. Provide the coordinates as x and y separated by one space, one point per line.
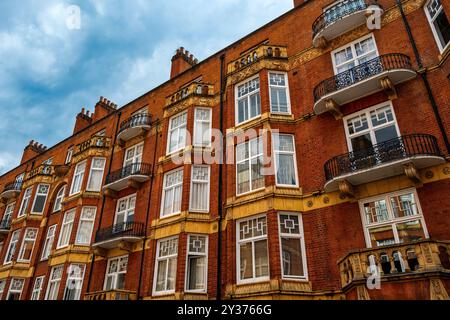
336 184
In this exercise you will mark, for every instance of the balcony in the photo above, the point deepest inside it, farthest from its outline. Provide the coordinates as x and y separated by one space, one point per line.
394 261
94 146
381 73
339 19
43 170
5 225
11 190
130 176
134 126
111 295
119 235
401 155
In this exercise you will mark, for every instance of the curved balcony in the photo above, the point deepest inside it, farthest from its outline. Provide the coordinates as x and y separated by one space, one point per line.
380 73
5 225
130 176
116 235
134 126
383 160
42 170
11 190
338 19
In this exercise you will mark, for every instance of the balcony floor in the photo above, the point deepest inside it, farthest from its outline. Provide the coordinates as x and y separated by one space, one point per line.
123 183
114 242
130 133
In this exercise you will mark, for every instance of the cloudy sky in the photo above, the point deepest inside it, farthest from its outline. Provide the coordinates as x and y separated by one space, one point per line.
121 50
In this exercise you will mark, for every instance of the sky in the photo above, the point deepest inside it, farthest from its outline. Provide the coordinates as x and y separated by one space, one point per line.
51 66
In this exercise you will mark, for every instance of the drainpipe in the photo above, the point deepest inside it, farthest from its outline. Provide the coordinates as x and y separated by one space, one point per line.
220 205
423 75
119 115
157 123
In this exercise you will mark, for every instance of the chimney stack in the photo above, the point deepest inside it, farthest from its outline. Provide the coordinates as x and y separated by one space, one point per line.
83 120
181 61
103 108
33 149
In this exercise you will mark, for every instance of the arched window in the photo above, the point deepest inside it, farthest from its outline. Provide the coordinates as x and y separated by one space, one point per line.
59 198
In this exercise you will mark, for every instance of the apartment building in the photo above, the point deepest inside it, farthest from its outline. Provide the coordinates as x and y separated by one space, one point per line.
331 179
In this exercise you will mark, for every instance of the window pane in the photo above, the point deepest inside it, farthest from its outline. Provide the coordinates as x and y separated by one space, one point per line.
286 169
261 259
404 205
410 231
161 277
257 177
376 211
292 257
246 259
196 273
381 236
243 177
386 134
361 143
289 224
442 28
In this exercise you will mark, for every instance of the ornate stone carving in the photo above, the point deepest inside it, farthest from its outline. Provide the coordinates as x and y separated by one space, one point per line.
437 290
346 188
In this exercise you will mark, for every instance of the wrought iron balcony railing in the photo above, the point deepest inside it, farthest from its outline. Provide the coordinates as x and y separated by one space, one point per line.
336 13
127 229
138 120
366 70
139 168
396 149
5 224
14 186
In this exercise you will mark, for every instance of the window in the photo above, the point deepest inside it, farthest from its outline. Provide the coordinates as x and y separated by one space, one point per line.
86 226
202 127
166 266
279 93
200 188
74 284
15 289
47 169
252 250
197 261
40 198
96 174
285 160
439 23
7 215
2 287
133 158
293 258
393 218
66 229
37 288
177 133
26 249
172 193
124 213
69 156
25 202
354 54
248 100
54 282
371 127
48 245
12 247
59 198
78 178
116 271
249 164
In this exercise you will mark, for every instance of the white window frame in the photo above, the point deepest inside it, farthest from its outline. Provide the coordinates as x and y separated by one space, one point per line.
12 247
56 281
48 244
196 254
162 215
392 221
177 130
127 211
204 135
59 199
8 211
25 239
249 159
114 275
64 224
168 257
352 45
77 279
430 21
85 220
252 240
102 170
370 130
14 290
208 188
37 288
25 202
2 287
293 153
136 158
301 238
288 98
237 98
79 175
69 154
40 194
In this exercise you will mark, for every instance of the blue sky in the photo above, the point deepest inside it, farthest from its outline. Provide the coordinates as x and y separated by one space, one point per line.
122 50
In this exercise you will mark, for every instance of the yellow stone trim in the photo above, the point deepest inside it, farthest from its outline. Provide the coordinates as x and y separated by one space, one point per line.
193 100
72 253
15 269
81 195
38 179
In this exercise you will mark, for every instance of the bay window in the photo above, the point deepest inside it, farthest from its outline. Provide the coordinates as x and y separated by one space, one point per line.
86 226
37 288
12 247
25 202
177 133
49 239
393 218
96 174
252 250
172 193
40 198
249 165
26 249
248 100
74 283
54 282
15 289
200 179
279 93
66 229
166 266
197 262
285 160
202 127
116 271
78 178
